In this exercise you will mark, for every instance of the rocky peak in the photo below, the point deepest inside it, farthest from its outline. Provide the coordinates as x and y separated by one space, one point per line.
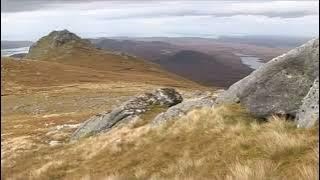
61 41
59 38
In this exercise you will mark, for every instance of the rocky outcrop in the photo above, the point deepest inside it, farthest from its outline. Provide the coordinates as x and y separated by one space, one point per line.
308 114
55 41
279 86
182 109
60 38
165 97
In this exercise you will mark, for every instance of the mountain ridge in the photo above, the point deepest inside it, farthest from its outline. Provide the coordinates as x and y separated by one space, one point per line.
78 60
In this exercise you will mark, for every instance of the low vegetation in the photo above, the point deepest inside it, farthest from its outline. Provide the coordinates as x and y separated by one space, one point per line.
219 143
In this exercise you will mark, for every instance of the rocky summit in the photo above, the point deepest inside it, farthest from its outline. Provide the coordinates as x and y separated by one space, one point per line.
281 85
54 41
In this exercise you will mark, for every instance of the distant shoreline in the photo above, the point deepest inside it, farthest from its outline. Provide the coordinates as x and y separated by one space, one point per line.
12 51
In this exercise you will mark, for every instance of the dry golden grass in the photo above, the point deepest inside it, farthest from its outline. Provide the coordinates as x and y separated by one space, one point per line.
67 86
30 76
221 143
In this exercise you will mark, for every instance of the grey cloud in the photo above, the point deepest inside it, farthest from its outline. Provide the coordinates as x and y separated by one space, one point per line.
17 6
31 5
222 14
294 14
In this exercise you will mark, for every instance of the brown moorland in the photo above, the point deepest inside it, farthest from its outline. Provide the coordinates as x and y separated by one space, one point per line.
45 99
64 86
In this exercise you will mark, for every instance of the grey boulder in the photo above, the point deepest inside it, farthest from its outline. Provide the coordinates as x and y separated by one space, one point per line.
308 114
182 109
164 97
279 86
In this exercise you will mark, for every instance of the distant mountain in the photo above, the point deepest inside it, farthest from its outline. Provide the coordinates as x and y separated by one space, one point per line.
222 47
152 50
203 68
268 41
161 52
15 44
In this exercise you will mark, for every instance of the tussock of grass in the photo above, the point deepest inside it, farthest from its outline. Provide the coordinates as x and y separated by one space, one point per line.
221 143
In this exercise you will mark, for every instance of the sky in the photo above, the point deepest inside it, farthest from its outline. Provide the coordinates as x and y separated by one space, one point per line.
32 19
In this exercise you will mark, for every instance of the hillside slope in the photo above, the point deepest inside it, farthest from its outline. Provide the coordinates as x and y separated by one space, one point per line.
202 68
215 64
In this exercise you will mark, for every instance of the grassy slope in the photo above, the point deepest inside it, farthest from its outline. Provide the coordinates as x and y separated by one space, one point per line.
67 87
36 74
221 143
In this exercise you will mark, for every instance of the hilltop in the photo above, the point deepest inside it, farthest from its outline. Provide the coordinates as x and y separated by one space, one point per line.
56 42
62 57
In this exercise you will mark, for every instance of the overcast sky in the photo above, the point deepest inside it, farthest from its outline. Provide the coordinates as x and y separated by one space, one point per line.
31 19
